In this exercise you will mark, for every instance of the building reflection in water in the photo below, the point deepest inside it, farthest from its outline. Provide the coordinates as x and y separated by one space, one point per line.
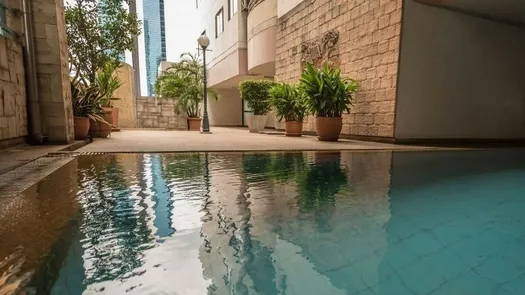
31 226
309 222
223 223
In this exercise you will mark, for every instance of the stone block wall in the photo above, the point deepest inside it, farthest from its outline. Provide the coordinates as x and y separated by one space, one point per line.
155 112
367 50
13 112
52 70
126 96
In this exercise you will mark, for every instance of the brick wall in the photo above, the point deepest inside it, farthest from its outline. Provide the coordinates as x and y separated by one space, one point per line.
13 113
158 113
367 50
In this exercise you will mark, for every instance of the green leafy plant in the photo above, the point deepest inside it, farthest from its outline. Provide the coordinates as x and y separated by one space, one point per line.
328 94
288 102
319 183
183 82
108 83
98 33
255 93
87 100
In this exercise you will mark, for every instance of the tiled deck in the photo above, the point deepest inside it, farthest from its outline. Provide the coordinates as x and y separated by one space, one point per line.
223 139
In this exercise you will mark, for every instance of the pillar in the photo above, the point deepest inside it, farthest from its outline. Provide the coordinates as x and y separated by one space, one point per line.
52 61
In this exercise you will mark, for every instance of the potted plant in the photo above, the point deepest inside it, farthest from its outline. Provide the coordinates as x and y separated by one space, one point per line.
183 82
87 106
328 96
255 93
289 103
108 83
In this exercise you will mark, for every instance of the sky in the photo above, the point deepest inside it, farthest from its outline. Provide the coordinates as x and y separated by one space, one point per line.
181 33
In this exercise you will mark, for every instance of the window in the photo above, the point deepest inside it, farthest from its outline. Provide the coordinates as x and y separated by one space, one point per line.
232 8
219 23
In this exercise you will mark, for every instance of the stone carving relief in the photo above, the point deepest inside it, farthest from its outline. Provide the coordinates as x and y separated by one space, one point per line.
321 49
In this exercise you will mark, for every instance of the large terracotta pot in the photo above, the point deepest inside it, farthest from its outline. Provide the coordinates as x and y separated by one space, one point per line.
102 129
328 128
81 125
115 120
293 128
256 123
194 124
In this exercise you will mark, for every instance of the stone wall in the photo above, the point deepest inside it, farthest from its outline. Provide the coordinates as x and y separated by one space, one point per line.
13 113
367 50
155 112
126 97
52 70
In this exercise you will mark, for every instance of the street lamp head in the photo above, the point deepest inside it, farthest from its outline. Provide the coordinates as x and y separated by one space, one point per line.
204 41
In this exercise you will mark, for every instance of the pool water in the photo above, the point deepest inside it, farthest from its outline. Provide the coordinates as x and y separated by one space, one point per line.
383 223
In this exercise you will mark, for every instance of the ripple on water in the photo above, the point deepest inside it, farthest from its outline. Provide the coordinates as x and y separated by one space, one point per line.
286 223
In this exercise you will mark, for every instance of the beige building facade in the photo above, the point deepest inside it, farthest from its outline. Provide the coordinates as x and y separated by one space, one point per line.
420 64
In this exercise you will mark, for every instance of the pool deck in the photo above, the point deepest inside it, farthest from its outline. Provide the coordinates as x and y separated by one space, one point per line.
224 140
20 155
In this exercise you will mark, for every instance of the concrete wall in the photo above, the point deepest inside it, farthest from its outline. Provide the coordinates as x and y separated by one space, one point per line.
158 113
13 113
227 111
127 97
460 76
228 57
367 50
262 32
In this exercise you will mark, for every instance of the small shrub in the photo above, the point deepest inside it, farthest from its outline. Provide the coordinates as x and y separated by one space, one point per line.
255 93
328 94
288 102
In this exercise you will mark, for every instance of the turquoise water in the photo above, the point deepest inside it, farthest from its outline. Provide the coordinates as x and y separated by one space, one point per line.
379 223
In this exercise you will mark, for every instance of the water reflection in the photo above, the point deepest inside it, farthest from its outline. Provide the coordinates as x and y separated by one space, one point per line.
282 223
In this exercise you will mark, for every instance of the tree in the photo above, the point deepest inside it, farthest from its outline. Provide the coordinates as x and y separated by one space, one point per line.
183 82
98 33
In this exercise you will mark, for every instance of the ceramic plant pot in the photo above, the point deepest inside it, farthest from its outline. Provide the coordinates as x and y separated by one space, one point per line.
81 125
328 128
256 123
194 124
293 128
102 129
115 120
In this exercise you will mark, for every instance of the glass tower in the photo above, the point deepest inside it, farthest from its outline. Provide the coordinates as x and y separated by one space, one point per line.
155 39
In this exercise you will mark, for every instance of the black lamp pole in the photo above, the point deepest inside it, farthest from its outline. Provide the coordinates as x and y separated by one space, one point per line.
205 119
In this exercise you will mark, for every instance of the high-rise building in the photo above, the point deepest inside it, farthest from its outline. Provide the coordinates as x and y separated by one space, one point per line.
154 39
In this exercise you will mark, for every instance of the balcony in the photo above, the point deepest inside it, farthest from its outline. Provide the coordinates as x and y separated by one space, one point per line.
262 32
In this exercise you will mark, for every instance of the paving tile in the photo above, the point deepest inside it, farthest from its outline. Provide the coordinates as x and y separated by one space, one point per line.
399 256
516 286
422 243
420 278
468 284
391 286
498 270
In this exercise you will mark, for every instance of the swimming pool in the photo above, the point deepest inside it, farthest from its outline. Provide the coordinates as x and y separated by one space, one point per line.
271 223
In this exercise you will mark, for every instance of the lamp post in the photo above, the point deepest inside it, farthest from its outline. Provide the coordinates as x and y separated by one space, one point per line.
204 42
